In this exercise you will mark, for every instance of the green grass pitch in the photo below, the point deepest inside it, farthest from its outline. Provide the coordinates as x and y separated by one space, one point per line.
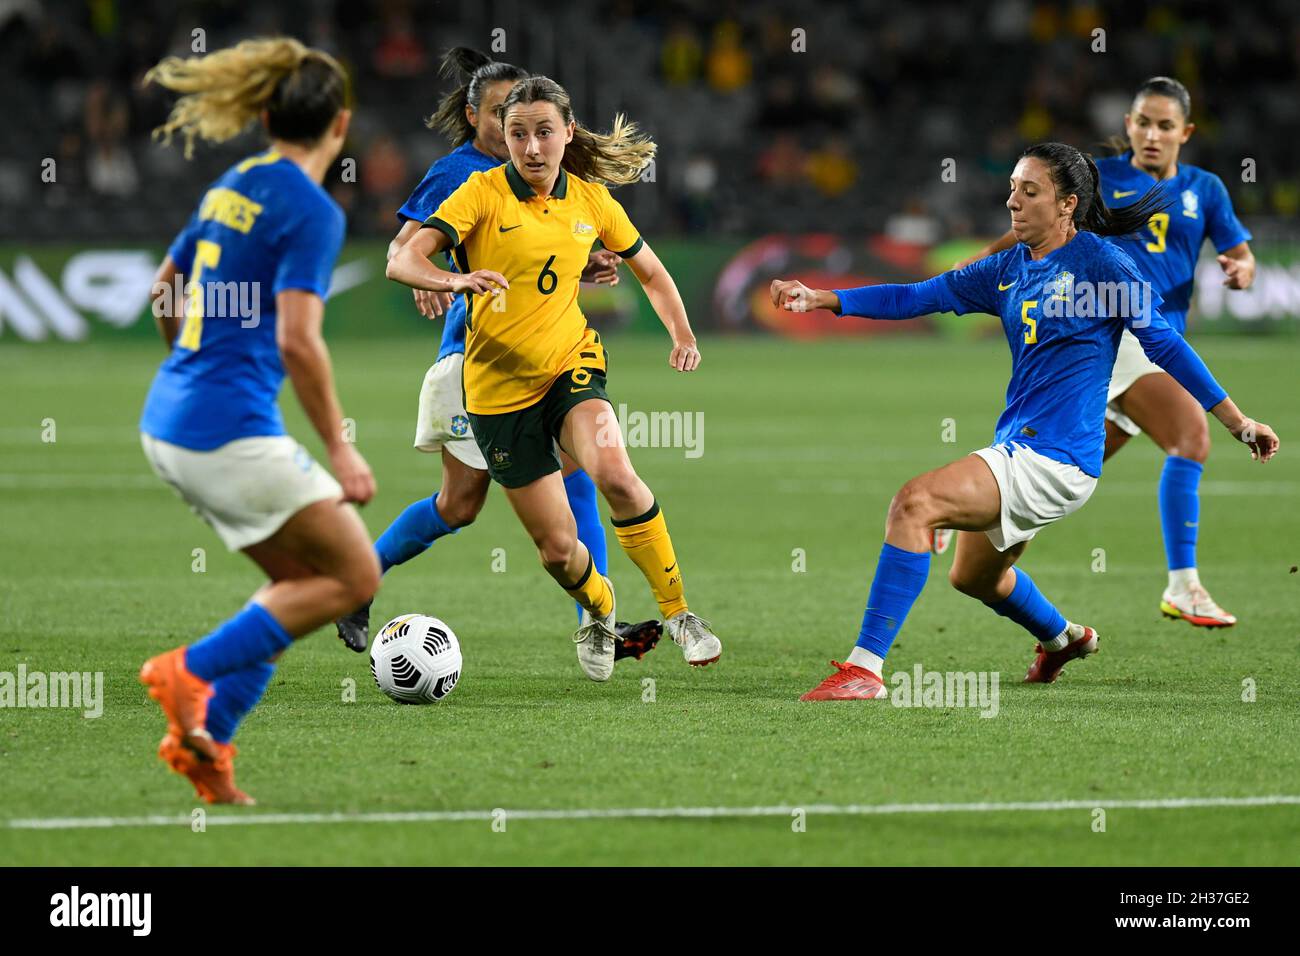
804 444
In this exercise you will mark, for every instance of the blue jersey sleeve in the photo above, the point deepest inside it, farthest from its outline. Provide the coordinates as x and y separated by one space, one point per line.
311 249
895 301
974 286
1221 223
1159 340
427 196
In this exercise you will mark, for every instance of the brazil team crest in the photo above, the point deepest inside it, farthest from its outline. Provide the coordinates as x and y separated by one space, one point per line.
1062 289
1191 204
459 426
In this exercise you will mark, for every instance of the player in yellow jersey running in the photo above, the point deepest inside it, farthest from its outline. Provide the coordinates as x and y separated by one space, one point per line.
534 372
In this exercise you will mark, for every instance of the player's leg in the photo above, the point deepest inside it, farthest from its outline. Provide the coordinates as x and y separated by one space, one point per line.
543 509
1116 438
589 432
960 495
1176 422
981 571
634 640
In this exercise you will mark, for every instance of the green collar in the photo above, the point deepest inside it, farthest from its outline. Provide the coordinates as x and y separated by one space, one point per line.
519 186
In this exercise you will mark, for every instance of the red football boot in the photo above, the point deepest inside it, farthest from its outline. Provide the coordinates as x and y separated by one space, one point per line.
1047 665
849 682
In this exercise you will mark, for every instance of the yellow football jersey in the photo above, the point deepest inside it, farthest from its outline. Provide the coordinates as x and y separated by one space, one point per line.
519 342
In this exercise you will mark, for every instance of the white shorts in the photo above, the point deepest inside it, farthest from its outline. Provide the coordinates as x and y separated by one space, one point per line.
1131 363
246 489
1036 490
442 422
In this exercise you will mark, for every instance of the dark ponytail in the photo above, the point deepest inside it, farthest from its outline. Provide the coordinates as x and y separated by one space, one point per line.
1074 173
475 70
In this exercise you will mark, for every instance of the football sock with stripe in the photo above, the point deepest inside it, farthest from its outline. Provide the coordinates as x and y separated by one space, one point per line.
235 694
1180 509
251 637
1027 607
592 591
645 540
900 576
411 533
581 491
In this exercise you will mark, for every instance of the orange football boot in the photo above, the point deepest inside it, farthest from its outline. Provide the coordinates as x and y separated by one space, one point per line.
849 682
183 698
214 780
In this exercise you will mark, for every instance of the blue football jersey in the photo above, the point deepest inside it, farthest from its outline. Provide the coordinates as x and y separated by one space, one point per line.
1063 316
444 177
1166 250
260 229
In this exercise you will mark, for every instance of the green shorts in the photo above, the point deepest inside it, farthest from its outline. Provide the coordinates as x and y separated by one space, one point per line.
519 447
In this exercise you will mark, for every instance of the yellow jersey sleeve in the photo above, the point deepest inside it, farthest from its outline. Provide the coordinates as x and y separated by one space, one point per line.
462 211
616 230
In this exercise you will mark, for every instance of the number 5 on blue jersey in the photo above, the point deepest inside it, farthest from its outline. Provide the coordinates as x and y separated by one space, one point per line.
1031 333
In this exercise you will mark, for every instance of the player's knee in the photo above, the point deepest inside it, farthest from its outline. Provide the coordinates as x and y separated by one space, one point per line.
970 585
460 510
556 549
618 484
913 504
1194 444
360 583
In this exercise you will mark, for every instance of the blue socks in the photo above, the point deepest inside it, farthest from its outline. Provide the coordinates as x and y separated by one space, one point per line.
582 501
411 533
900 576
251 637
1180 510
236 694
1027 607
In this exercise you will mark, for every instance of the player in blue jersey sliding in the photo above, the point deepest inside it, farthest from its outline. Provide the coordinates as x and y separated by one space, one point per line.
265 235
1142 396
1065 295
468 117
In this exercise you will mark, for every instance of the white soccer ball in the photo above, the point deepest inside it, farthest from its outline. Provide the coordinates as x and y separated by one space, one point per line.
415 659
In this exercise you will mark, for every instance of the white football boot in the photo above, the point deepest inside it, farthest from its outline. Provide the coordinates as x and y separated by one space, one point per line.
594 640
699 644
1194 605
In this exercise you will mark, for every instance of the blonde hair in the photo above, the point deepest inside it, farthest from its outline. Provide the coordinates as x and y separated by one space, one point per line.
223 92
615 158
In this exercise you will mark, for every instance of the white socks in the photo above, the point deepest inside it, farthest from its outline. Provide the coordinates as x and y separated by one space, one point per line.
1183 580
864 658
1059 642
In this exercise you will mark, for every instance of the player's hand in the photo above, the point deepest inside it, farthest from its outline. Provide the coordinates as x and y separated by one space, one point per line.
432 305
685 356
602 268
1240 272
793 296
479 282
352 473
1263 441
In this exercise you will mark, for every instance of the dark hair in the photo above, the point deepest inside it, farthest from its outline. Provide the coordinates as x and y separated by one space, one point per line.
1155 86
615 158
476 71
1074 173
305 102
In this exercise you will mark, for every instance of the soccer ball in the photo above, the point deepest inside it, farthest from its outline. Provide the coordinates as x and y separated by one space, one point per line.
415 659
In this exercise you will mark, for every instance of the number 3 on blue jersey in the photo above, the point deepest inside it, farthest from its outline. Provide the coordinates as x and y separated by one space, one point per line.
206 255
1031 333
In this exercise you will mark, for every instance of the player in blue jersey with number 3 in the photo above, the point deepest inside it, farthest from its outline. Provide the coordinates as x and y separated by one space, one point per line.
1065 295
1142 396
267 235
468 116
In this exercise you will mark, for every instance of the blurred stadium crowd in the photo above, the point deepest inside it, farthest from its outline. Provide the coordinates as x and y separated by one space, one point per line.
846 136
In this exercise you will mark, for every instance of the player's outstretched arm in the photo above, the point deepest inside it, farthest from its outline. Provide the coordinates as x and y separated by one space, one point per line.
412 266
1171 352
886 301
299 315
662 292
431 305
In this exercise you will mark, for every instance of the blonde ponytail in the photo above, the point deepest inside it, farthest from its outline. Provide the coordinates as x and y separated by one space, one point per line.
225 91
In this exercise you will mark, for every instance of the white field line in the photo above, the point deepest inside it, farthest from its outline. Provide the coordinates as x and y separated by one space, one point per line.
647 813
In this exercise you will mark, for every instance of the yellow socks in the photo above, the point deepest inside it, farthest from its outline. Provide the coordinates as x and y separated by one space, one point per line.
592 591
645 540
